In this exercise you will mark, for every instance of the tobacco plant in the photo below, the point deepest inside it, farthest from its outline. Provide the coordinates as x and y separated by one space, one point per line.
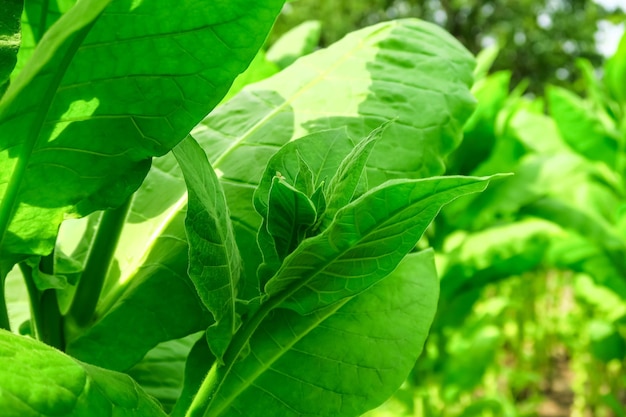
267 264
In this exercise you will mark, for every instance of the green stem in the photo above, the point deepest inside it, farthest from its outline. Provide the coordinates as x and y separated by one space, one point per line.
51 321
46 319
4 314
98 263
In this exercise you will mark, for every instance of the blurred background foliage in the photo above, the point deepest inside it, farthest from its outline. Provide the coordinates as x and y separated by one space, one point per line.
539 40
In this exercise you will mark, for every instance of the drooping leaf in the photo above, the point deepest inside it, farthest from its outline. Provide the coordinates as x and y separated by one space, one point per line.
342 360
77 137
158 304
10 39
489 256
365 242
37 380
214 259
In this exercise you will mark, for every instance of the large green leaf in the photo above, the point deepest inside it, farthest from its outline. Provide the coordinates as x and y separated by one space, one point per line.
10 38
365 242
37 380
214 260
339 361
406 69
110 85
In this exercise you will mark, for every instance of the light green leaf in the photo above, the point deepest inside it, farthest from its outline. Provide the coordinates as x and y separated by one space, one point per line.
10 39
615 72
580 126
295 43
37 380
214 259
339 361
365 242
77 137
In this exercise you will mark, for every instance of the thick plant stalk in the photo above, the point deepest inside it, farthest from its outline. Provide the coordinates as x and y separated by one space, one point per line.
98 263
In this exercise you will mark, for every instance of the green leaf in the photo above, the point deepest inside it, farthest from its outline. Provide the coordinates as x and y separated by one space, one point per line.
343 185
392 70
339 361
321 153
295 43
365 242
580 126
10 39
77 137
37 380
158 303
214 259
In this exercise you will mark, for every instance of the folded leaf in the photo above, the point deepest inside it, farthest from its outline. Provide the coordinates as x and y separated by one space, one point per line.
343 185
77 137
214 260
365 242
339 361
37 380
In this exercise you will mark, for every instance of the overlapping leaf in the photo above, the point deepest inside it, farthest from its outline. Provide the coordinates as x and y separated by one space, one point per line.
365 242
83 133
392 70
